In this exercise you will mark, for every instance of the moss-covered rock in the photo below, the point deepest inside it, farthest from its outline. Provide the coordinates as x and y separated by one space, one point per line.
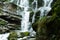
41 30
12 36
23 34
12 7
49 28
13 26
3 23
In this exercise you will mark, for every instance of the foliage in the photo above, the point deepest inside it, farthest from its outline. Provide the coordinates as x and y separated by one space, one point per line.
24 34
3 23
48 28
12 36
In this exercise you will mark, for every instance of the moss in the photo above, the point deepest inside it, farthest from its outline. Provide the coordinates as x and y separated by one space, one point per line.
41 22
12 36
51 25
51 18
41 30
3 23
24 34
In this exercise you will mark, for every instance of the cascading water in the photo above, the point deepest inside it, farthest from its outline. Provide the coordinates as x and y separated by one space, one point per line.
34 3
25 16
4 36
46 8
25 24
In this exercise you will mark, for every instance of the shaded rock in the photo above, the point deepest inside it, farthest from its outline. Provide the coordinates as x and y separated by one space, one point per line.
3 27
10 19
12 7
31 15
7 27
13 27
4 30
40 3
3 22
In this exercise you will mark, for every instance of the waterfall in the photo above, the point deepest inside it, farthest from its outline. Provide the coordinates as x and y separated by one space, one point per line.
25 17
45 8
25 22
24 5
34 3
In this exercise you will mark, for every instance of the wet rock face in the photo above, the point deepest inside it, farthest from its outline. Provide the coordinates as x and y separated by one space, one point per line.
10 19
12 7
8 23
4 30
3 27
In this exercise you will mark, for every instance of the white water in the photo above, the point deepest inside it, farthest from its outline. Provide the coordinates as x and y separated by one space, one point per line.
45 8
34 3
25 24
4 36
25 17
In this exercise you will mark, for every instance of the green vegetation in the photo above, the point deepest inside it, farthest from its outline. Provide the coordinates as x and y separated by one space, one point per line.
12 36
48 28
3 23
24 34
